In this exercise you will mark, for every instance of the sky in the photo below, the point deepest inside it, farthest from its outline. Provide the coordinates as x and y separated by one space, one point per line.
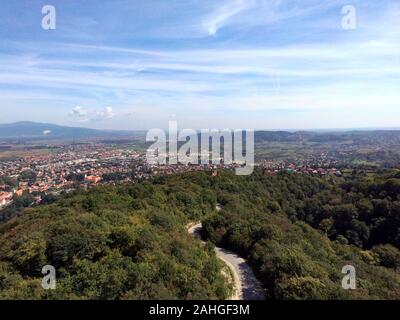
239 64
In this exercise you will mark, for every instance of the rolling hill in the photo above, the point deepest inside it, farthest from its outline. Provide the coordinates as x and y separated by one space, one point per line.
33 130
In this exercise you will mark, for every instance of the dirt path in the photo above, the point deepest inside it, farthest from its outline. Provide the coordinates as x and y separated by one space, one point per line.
247 287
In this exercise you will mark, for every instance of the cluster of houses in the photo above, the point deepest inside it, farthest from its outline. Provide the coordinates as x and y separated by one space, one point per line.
181 168
43 173
272 168
52 172
5 198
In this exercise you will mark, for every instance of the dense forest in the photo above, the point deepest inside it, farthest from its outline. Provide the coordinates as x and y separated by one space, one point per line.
130 241
298 232
125 242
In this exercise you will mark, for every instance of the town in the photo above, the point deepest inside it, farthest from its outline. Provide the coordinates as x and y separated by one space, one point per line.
71 167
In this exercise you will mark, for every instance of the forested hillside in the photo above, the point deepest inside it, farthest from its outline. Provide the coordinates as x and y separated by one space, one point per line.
268 220
126 242
130 241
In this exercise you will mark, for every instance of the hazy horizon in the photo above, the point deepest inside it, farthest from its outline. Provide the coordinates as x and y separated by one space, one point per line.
182 127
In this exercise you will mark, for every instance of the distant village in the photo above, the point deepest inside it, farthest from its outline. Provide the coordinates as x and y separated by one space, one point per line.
68 168
84 166
271 168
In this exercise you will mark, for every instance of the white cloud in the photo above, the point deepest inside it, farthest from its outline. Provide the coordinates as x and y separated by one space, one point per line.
217 20
106 113
79 114
82 115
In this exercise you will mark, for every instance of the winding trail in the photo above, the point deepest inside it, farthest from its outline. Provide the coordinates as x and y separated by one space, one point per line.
247 287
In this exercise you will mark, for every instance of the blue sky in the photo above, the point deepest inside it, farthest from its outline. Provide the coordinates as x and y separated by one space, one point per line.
261 64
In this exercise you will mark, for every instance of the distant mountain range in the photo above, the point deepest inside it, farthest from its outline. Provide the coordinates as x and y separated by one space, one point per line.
42 131
33 130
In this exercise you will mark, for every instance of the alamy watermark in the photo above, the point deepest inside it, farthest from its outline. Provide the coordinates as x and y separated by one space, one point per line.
189 146
349 280
49 21
49 280
349 20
